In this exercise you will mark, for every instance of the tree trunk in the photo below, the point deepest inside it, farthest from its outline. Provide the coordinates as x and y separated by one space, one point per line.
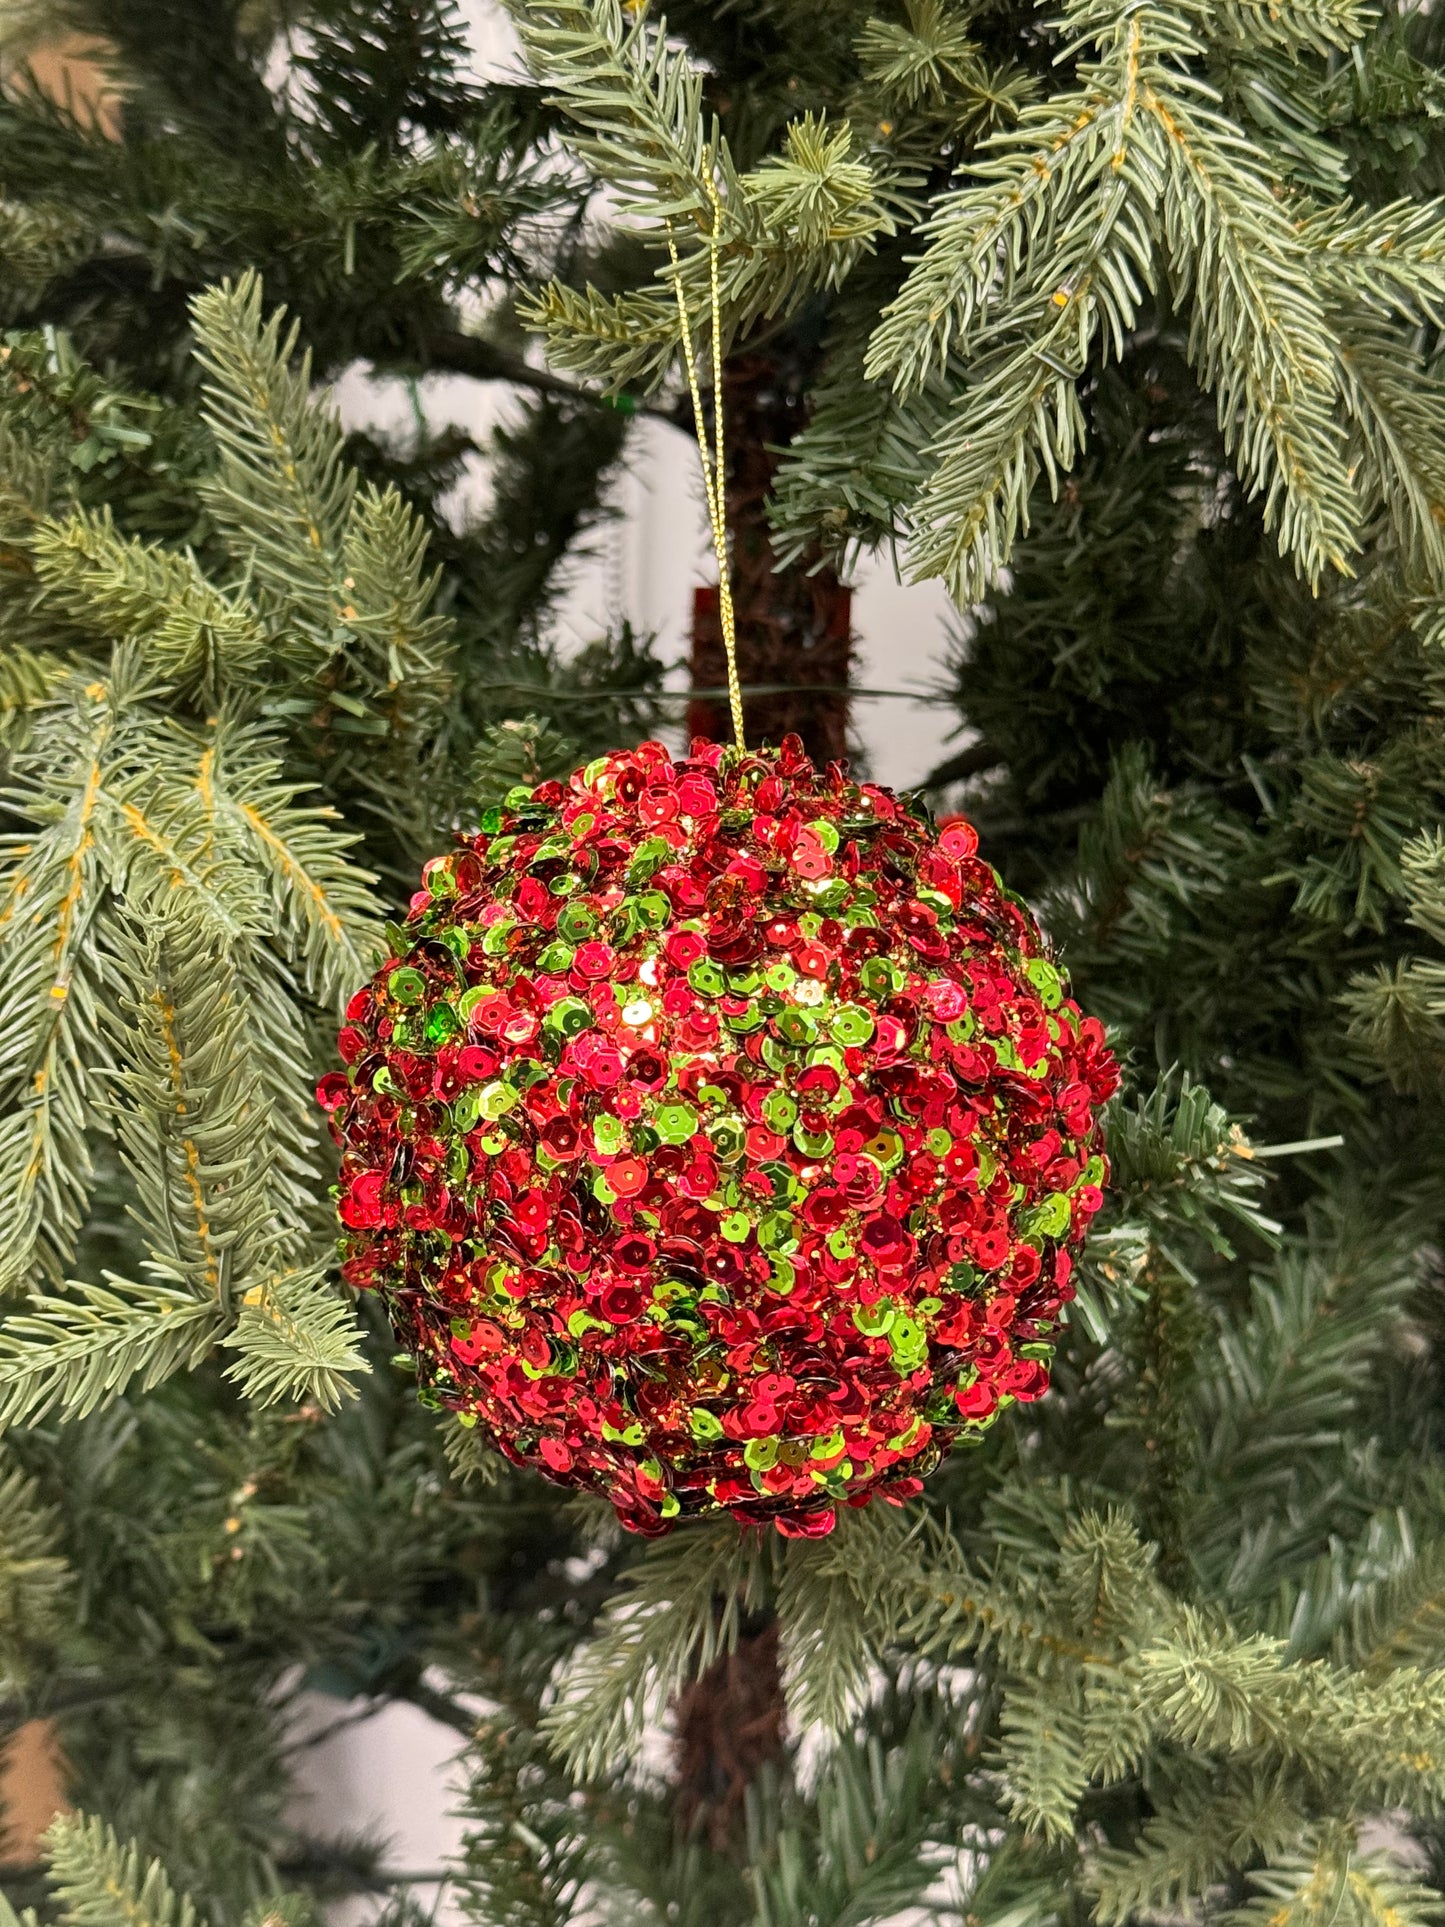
729 1726
793 625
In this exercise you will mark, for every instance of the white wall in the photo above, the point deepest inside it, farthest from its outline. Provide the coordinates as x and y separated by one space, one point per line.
391 1778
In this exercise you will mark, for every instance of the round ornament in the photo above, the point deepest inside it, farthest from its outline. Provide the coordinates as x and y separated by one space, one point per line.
718 1136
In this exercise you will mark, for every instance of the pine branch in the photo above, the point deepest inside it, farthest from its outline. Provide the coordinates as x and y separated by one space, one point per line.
295 1339
70 1355
1396 1016
1089 153
337 572
832 1633
1230 244
192 1120
1327 1879
156 833
1399 1620
1106 1578
384 556
1153 863
1182 1162
48 1005
1075 211
793 226
447 350
280 1044
678 1610
29 678
41 239
1085 172
1239 1696
1194 1842
1292 26
974 505
188 833
34 1577
1043 1759
469 1460
933 1599
636 99
59 1693
1397 409
1422 869
389 592
9 1917
1354 815
479 201
1274 1399
1391 258
282 495
851 473
928 56
1092 1695
189 631
625 342
324 915
529 1848
512 754
1019 1886
874 1844
1110 1281
100 1883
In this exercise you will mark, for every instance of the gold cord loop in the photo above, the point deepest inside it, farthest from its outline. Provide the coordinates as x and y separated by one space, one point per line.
714 472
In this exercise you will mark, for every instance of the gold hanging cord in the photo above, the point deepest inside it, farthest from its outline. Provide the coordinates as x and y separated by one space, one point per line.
713 471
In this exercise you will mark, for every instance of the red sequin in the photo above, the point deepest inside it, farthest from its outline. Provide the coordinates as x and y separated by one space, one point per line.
719 1139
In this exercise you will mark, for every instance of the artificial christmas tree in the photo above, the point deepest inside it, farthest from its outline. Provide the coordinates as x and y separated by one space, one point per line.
1138 300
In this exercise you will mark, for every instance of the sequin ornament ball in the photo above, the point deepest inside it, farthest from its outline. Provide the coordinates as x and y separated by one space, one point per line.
719 1137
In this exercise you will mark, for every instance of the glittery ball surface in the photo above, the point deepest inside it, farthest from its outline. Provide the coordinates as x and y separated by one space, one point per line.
718 1135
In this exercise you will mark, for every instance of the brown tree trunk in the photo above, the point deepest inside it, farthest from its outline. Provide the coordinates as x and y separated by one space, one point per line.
729 1726
793 625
